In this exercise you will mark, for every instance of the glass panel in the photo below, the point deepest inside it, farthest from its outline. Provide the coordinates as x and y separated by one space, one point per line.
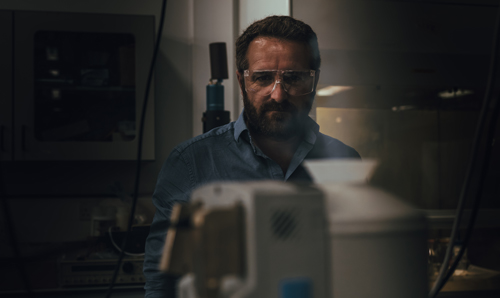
84 86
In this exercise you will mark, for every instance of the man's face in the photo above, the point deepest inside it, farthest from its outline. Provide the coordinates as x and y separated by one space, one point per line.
278 115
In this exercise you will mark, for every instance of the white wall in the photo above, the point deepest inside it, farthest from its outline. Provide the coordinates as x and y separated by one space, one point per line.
252 10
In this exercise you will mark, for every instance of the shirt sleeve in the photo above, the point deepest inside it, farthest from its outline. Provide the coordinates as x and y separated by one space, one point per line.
175 183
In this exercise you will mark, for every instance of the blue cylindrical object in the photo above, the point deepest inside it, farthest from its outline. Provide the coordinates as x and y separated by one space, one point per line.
300 287
215 96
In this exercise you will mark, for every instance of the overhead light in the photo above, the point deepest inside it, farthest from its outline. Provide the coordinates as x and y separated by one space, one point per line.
454 93
403 108
332 90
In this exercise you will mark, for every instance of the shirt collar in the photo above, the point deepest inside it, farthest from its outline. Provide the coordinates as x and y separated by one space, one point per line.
310 136
239 126
312 131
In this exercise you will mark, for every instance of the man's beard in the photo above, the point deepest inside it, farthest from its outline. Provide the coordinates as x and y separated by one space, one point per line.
279 126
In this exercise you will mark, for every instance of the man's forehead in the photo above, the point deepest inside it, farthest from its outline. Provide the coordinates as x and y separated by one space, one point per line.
264 43
273 53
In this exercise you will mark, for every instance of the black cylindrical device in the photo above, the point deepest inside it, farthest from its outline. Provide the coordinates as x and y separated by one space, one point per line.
218 60
215 115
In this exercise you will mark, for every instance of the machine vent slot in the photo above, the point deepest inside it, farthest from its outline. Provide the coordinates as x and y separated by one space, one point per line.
284 224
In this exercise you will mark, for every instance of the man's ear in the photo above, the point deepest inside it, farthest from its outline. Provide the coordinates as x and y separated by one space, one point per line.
241 81
316 79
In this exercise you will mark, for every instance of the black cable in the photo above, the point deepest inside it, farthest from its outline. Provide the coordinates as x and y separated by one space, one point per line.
139 149
475 209
13 241
445 274
495 107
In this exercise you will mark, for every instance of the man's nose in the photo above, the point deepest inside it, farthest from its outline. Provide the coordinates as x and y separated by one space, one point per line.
279 94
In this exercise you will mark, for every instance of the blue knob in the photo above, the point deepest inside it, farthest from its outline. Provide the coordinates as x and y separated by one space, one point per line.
215 97
300 287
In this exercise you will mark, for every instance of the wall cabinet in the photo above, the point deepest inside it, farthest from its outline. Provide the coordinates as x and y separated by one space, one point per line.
76 85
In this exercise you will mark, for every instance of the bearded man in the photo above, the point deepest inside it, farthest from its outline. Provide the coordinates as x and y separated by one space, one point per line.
278 66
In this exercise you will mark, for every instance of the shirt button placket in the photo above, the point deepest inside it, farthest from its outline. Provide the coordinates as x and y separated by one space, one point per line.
275 169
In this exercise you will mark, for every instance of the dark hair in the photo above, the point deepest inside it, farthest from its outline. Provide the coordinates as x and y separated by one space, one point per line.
281 27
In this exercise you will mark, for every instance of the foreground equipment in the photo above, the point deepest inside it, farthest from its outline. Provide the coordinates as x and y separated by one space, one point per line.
275 239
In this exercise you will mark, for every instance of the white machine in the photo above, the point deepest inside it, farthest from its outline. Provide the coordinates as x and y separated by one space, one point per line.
276 239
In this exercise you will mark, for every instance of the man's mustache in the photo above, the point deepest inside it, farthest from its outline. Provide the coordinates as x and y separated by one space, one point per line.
284 106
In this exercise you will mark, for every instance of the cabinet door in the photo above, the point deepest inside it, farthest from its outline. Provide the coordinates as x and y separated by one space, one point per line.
79 83
5 85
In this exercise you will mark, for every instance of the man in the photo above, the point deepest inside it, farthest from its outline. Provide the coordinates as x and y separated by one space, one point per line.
278 64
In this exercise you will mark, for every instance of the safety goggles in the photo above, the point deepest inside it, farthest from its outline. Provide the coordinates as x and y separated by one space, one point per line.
294 82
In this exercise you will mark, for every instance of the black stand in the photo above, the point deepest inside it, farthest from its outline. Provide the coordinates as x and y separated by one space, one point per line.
213 119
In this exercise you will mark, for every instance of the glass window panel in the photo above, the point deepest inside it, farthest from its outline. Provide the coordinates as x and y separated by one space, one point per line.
84 86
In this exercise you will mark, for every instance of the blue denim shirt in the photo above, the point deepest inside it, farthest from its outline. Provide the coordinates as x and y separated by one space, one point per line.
222 154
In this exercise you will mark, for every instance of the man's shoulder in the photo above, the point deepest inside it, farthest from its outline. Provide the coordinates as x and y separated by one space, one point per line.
327 146
213 137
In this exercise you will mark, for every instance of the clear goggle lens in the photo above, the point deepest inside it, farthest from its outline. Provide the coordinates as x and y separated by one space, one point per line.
294 82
